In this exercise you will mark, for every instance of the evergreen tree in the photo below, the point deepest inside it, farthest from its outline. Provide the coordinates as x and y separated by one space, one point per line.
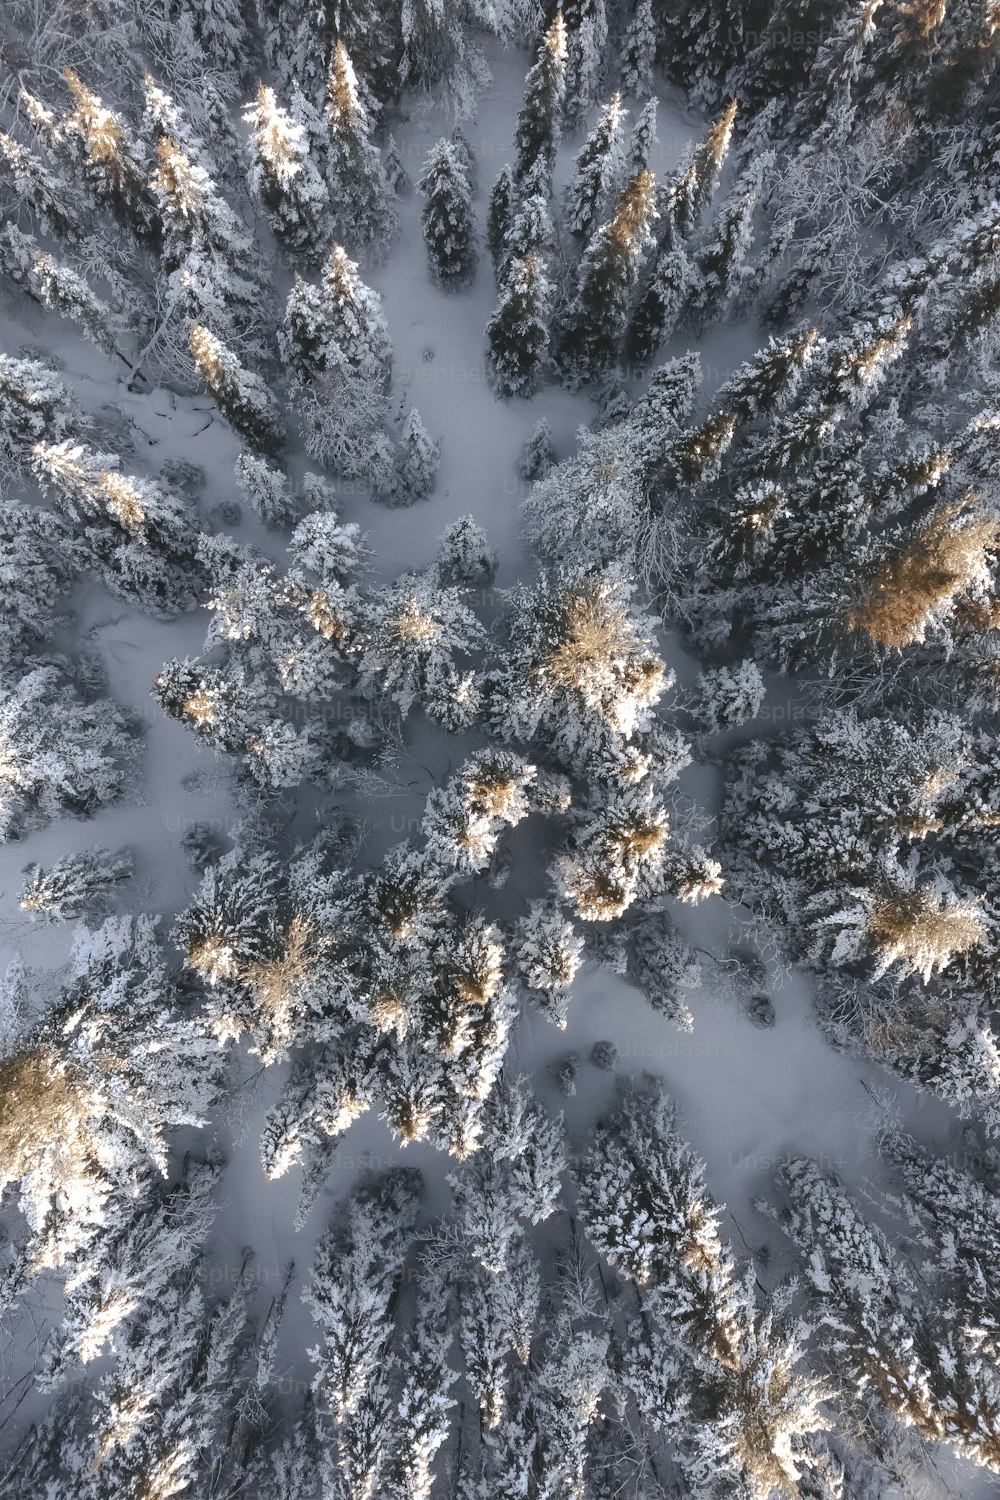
703 40
721 261
645 1207
685 197
416 631
35 405
39 560
351 1291
61 755
549 953
422 1424
74 885
420 459
92 1090
447 217
537 455
639 52
57 287
924 1367
586 39
642 140
539 122
335 339
359 190
464 553
209 259
595 169
243 398
43 191
658 309
824 111
517 335
356 322
577 665
595 320
284 177
220 27
499 217
95 142
266 489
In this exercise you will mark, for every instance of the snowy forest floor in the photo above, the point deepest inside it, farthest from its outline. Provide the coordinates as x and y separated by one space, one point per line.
747 1097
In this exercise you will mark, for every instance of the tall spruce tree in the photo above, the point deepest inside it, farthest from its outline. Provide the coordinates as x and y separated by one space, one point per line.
447 217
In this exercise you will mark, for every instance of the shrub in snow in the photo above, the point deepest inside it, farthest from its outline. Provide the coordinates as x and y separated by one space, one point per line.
464 553
604 1055
730 695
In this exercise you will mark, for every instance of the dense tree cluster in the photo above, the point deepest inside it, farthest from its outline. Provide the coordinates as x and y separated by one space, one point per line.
206 195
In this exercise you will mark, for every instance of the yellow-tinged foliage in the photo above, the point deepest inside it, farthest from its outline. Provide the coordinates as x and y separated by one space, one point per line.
925 578
916 930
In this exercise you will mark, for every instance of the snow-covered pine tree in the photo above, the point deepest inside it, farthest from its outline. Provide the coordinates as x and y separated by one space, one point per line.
578 664
416 644
729 695
335 339
419 459
422 1423
639 52
721 259
360 194
447 217
663 966
464 554
220 27
464 819
703 39
243 398
658 310
356 322
35 406
500 216
353 1285
586 39
266 489
923 1366
959 1215
329 547
595 320
49 199
595 168
57 287
824 111
136 531
539 122
549 952
642 141
62 755
148 1240
39 561
686 196
537 454
95 143
76 884
284 177
218 707
645 1207
212 268
517 335
92 1090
